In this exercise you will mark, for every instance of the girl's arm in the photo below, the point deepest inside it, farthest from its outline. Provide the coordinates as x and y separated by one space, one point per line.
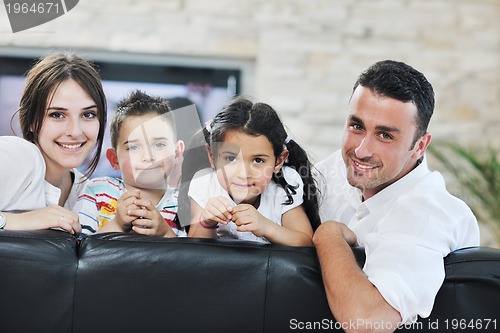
295 231
297 225
195 229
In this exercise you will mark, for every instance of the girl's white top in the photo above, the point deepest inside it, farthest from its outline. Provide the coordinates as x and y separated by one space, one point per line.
205 185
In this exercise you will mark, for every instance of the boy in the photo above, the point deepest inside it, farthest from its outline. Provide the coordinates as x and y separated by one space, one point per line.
145 150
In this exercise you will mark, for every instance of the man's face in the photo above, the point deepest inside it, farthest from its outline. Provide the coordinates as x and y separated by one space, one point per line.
377 143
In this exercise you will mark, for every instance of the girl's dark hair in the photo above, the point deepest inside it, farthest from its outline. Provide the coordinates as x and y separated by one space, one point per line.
44 78
256 119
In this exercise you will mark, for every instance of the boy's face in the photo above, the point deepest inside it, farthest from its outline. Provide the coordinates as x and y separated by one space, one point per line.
146 152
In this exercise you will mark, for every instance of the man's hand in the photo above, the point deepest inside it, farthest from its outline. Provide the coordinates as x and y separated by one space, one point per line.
330 228
350 294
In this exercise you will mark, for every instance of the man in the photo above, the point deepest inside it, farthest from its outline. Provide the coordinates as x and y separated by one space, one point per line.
382 195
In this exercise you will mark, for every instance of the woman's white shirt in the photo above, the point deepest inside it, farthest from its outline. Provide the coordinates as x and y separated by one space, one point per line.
22 171
23 186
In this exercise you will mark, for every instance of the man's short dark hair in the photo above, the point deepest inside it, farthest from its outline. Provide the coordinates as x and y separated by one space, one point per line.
400 81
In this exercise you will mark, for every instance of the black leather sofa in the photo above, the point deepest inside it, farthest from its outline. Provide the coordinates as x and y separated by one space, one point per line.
52 282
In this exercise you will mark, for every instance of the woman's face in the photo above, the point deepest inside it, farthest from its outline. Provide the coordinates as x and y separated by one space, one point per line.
70 127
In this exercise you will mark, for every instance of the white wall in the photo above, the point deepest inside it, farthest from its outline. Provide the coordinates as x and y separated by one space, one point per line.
306 53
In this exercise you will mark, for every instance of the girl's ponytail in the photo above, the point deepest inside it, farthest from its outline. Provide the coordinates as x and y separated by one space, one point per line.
299 161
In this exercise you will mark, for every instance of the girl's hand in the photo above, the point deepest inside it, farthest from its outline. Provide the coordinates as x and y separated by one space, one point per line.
148 220
247 218
53 216
124 205
217 210
294 231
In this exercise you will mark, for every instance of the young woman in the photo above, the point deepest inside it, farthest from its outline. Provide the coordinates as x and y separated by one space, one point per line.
63 114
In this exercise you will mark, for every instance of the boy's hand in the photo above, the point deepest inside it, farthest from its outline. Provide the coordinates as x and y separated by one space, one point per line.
148 220
217 210
247 218
124 205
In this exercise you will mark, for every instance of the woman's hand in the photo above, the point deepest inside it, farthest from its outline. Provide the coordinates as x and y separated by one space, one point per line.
50 217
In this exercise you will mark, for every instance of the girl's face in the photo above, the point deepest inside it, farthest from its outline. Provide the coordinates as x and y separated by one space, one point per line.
245 165
70 127
146 152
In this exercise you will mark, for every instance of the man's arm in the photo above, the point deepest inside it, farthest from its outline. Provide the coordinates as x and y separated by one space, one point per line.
353 299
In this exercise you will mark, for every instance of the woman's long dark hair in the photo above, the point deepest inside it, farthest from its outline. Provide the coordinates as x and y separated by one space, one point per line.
44 78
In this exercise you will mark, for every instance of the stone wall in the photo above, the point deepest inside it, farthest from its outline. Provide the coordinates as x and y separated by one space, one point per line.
307 53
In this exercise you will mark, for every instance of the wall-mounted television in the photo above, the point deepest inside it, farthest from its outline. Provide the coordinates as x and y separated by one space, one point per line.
208 87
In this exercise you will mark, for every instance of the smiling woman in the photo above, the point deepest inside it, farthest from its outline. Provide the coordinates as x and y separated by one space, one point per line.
63 113
69 131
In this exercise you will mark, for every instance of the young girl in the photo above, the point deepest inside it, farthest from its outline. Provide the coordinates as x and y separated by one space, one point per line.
145 149
63 114
259 186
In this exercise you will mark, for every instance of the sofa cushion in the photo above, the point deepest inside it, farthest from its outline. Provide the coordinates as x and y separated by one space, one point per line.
37 278
51 282
130 283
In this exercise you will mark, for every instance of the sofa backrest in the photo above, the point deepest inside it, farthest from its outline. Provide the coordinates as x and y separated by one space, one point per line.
50 282
193 285
37 281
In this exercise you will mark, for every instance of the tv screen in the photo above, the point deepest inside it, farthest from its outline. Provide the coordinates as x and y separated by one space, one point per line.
206 89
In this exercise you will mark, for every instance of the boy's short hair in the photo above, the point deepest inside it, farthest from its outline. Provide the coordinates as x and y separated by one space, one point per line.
139 103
